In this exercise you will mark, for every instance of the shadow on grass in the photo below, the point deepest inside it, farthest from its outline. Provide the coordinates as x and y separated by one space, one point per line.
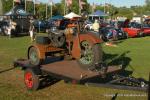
6 70
117 60
48 81
117 42
114 97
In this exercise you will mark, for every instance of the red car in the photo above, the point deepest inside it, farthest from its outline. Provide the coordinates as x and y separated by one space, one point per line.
146 30
146 27
134 30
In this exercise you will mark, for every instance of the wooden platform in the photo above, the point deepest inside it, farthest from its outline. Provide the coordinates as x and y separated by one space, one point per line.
72 70
67 69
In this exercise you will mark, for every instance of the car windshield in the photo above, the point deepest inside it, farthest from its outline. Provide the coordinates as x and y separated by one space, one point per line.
134 25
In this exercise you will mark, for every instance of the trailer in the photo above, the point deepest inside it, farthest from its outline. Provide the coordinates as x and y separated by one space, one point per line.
70 72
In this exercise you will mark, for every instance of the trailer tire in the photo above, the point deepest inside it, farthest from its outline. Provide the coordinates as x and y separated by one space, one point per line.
96 56
33 56
31 79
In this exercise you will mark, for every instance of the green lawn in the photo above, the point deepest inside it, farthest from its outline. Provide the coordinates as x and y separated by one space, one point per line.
133 52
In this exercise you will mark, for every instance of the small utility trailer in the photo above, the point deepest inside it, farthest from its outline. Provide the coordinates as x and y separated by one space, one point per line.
69 71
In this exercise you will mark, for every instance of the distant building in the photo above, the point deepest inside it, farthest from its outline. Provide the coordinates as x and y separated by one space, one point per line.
121 18
137 19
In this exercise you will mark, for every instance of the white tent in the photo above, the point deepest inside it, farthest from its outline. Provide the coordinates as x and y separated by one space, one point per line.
71 15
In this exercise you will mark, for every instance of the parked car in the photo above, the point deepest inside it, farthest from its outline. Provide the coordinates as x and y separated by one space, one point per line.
146 27
134 29
18 16
18 29
111 33
40 25
146 30
88 25
3 27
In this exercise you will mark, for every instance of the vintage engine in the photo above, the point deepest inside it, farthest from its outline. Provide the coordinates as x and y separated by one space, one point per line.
59 37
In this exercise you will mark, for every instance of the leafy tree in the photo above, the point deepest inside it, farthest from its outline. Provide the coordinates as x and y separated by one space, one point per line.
147 2
75 6
86 7
41 11
7 5
59 8
123 11
30 7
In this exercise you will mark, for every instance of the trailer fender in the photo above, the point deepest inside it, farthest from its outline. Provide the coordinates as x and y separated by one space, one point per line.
92 38
40 53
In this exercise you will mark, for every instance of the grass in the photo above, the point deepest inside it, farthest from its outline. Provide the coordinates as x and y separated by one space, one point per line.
133 52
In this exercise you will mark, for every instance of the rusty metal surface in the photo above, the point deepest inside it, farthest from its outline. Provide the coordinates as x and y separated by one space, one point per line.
42 49
48 48
72 70
69 69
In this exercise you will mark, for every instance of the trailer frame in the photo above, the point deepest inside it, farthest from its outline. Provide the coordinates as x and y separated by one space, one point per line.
116 81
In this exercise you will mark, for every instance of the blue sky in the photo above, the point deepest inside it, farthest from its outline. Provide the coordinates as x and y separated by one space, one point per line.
117 3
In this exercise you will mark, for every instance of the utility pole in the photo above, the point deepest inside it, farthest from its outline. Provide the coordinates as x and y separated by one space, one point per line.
46 11
65 8
13 4
1 7
51 10
25 2
105 6
34 7
80 7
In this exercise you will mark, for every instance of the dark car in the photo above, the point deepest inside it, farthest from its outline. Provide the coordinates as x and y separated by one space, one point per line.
18 16
3 27
19 28
40 25
111 33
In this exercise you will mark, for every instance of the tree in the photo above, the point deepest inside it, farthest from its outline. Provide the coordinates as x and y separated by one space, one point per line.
7 5
41 10
86 7
147 2
58 9
75 6
123 11
30 7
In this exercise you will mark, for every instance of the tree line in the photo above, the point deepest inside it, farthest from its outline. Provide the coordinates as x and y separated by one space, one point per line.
60 8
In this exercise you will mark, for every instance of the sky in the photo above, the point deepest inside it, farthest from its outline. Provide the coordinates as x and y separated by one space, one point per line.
117 3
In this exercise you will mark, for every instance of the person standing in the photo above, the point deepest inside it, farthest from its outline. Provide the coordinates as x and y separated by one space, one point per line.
96 26
9 27
31 30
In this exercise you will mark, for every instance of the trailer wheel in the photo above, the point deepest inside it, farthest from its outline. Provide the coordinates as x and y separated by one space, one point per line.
33 56
31 79
90 55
